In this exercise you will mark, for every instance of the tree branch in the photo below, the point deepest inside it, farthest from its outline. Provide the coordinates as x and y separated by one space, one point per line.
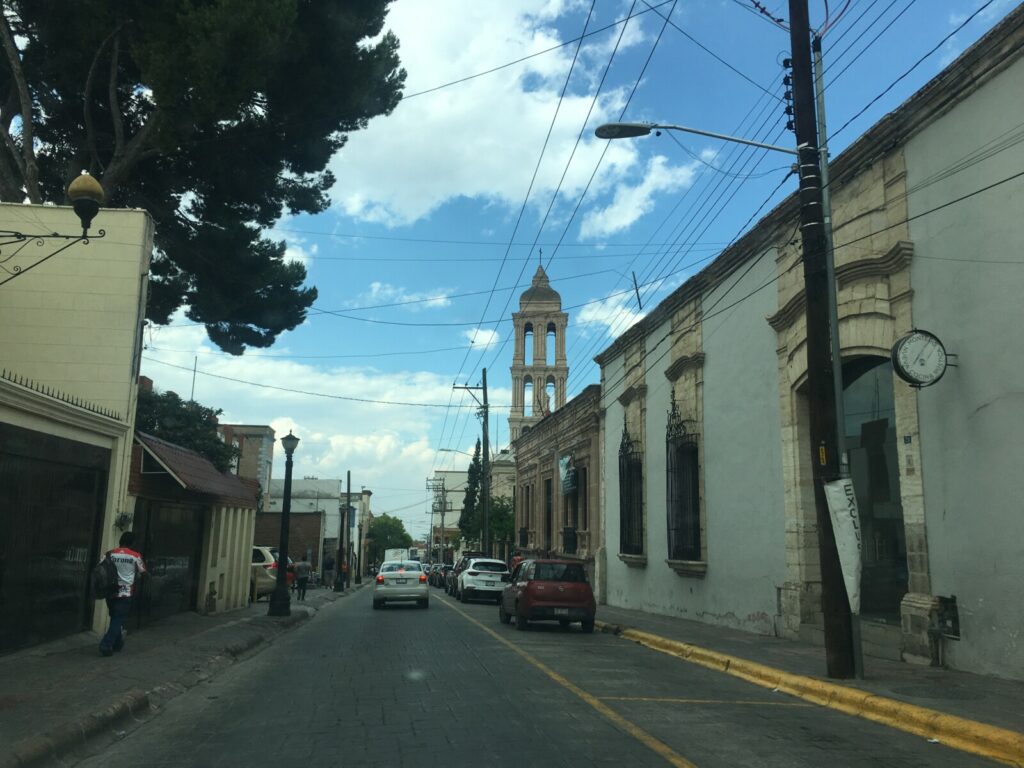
31 170
90 133
120 167
115 108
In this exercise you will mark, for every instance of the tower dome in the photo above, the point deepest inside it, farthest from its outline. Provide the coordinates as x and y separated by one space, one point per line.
540 294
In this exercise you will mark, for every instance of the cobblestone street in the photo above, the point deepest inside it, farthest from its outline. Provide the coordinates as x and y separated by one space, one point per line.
452 686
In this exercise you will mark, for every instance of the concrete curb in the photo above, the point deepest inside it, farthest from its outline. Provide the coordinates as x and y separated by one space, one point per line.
74 734
959 733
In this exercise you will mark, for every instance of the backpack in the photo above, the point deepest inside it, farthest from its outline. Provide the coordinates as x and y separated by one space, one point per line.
104 579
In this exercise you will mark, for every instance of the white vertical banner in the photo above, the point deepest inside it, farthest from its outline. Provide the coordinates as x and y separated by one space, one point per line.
842 507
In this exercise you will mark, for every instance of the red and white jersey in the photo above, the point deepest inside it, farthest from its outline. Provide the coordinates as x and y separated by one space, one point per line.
129 564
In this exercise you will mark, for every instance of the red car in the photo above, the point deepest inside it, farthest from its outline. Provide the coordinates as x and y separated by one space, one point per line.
548 590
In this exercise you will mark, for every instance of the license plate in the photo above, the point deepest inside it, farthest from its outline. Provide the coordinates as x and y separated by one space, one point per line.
561 611
490 583
399 581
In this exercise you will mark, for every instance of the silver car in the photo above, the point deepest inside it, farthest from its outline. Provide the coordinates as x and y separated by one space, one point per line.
401 581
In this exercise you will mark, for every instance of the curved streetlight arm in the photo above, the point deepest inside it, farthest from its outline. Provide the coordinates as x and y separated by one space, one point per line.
631 130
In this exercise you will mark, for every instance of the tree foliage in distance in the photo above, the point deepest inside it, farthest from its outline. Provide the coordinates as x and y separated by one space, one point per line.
216 116
470 520
185 423
502 519
386 532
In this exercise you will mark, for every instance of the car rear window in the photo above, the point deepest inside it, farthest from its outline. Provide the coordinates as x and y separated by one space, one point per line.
493 567
559 572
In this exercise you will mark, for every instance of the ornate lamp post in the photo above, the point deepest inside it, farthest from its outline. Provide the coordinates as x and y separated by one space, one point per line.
86 196
280 601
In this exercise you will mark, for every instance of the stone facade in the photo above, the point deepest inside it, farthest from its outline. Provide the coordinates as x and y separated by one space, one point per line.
550 518
738 381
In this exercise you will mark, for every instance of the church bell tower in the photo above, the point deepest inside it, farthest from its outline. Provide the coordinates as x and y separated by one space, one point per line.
539 367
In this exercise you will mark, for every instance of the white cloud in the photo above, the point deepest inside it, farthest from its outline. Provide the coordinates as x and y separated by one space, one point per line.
387 447
385 293
482 338
630 202
614 313
479 139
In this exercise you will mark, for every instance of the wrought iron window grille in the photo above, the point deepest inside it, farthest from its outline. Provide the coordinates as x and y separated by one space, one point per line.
631 508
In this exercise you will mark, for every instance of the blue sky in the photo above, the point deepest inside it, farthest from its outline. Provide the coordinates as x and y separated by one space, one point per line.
442 208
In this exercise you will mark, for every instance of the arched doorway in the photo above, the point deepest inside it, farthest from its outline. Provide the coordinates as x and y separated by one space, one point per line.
870 431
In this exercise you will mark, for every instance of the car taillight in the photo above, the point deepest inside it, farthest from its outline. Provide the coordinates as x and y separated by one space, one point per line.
380 578
271 567
423 578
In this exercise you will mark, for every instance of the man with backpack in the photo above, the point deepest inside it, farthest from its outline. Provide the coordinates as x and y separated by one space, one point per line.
129 566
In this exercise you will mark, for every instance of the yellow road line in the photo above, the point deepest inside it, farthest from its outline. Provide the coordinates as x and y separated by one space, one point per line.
959 733
660 747
674 700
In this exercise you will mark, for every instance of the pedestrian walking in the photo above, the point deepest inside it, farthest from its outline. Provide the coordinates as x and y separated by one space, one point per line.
329 572
130 567
302 571
344 574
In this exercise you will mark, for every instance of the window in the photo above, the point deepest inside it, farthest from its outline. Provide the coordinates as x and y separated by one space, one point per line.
584 504
490 567
548 512
631 496
683 492
560 572
550 339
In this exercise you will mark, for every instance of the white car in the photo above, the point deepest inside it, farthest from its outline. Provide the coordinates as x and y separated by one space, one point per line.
401 581
483 577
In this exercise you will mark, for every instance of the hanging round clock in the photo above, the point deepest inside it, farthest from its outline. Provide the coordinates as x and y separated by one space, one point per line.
919 358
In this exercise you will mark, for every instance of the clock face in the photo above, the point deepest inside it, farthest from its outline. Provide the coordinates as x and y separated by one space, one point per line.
919 358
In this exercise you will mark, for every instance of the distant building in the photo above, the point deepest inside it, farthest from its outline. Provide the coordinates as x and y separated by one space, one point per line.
255 443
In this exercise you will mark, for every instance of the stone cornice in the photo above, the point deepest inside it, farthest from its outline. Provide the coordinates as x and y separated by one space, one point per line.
674 371
895 259
24 399
632 393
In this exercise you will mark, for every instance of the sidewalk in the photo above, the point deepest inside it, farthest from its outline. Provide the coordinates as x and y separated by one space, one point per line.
57 696
993 707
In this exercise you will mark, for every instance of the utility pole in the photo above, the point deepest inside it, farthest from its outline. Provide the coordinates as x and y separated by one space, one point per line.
485 482
824 436
833 310
435 485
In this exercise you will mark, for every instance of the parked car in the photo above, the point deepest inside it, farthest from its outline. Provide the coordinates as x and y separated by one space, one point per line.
263 577
452 580
482 578
401 581
441 575
548 590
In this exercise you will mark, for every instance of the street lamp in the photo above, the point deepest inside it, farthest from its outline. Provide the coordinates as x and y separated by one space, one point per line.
632 130
280 602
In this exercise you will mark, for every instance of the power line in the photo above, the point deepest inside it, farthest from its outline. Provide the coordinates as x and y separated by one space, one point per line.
534 55
529 189
707 50
914 66
325 395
